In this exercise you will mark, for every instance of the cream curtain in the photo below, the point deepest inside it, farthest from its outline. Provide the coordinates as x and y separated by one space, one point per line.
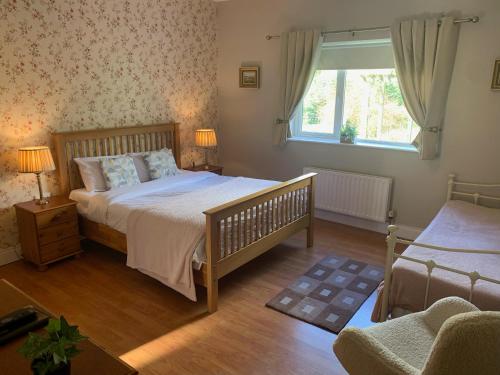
424 51
300 52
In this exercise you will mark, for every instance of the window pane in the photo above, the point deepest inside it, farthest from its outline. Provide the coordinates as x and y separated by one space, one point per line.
374 104
319 103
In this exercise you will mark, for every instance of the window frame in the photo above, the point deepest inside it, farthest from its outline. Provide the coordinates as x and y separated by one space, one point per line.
298 133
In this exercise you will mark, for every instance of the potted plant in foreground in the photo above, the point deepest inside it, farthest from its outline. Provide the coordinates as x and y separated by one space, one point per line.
50 354
348 133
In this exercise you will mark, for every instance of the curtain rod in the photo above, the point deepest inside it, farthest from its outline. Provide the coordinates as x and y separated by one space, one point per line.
474 19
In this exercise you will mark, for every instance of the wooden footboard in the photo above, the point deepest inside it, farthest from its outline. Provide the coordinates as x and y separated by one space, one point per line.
241 230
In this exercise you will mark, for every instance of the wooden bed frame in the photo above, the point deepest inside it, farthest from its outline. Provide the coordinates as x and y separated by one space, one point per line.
240 246
392 241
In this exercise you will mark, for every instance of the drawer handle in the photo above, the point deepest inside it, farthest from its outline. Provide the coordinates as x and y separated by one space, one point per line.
58 216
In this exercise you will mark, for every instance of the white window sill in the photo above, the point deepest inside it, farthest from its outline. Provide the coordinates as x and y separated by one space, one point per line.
366 144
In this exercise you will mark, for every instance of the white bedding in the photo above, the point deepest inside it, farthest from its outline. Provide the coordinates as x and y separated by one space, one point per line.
119 207
113 207
83 198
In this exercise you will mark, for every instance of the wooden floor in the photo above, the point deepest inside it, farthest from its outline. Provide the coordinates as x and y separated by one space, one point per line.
158 331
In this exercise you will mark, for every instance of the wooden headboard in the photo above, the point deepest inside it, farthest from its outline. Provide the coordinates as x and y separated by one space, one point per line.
108 142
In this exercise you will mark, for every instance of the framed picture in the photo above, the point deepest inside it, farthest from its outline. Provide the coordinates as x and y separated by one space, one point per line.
249 77
495 83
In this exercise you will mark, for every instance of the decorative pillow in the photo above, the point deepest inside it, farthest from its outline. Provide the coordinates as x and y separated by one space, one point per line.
91 173
161 164
119 172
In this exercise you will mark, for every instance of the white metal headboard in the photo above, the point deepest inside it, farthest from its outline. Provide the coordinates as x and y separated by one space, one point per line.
476 196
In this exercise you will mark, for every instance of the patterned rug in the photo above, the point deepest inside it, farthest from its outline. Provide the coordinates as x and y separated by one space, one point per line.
330 293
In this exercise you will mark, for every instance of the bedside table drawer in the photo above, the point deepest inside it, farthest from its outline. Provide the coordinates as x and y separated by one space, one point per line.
57 216
58 232
59 249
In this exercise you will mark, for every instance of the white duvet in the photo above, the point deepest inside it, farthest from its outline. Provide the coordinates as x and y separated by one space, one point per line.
164 220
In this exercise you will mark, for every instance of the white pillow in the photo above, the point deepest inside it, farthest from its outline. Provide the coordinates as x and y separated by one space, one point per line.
119 172
91 173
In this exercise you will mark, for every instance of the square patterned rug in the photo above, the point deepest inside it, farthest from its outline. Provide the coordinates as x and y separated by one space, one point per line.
330 293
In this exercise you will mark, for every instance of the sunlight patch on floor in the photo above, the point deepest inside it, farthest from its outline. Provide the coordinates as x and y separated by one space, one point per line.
167 344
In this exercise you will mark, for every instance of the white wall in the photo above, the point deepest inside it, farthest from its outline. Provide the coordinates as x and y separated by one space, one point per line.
471 136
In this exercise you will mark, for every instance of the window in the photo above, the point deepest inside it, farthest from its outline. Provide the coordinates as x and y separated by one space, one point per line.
355 84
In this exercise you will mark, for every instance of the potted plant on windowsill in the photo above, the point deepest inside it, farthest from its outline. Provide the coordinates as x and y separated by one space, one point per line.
348 133
50 354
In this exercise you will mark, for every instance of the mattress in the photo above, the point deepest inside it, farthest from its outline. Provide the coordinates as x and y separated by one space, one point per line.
458 225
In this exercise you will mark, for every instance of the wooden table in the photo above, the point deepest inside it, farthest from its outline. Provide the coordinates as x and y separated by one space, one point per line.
92 360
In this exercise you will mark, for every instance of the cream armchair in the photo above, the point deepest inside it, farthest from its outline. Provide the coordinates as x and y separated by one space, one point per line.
451 337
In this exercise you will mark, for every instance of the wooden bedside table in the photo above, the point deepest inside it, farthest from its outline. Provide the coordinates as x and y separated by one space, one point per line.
211 168
48 233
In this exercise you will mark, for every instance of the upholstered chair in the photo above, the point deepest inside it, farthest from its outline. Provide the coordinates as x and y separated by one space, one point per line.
451 337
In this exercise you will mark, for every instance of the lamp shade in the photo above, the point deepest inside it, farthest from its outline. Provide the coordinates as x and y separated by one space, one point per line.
35 160
205 138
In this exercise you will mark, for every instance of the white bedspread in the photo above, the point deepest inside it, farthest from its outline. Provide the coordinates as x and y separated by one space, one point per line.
113 208
162 235
164 220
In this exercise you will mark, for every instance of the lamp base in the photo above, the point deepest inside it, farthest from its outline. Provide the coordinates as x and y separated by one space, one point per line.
206 158
42 202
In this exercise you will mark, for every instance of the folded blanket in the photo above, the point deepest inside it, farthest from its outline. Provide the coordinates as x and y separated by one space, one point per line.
162 236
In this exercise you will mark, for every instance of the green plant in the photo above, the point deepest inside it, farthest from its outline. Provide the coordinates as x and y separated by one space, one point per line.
54 350
348 131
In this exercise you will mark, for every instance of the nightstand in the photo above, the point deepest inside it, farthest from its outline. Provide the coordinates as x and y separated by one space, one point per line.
48 232
202 168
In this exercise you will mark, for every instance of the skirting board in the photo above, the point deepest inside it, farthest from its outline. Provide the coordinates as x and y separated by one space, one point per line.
405 231
10 254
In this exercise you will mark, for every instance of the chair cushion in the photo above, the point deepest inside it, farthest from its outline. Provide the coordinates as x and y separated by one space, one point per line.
361 354
408 337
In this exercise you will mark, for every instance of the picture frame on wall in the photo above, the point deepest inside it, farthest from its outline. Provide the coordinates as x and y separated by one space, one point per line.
250 77
495 83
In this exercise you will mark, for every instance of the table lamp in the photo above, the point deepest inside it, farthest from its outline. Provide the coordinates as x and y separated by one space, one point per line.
206 138
35 160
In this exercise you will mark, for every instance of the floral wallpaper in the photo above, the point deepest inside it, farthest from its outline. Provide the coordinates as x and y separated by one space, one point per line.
77 64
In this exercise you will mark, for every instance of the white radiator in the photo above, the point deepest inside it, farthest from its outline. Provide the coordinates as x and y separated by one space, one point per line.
358 195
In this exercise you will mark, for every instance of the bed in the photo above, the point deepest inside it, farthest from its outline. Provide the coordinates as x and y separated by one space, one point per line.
226 222
458 254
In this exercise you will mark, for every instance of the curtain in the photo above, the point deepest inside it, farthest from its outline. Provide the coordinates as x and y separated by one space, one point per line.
424 52
300 52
